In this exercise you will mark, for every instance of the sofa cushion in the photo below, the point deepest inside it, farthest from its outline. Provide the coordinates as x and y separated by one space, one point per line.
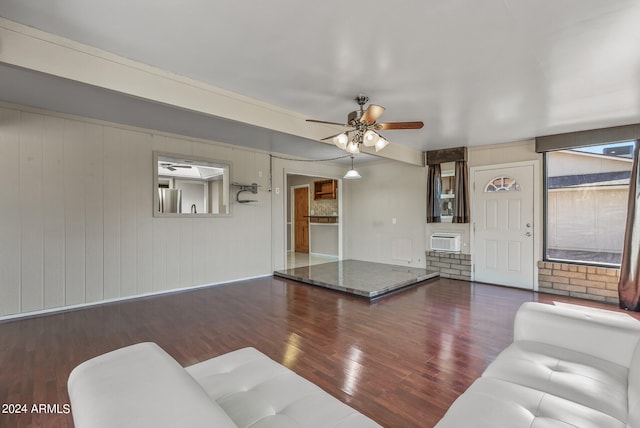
494 403
634 391
257 392
140 386
574 376
605 334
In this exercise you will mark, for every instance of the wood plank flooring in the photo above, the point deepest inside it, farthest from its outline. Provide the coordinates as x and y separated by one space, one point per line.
401 360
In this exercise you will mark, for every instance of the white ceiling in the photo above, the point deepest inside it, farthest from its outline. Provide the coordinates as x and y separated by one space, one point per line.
476 72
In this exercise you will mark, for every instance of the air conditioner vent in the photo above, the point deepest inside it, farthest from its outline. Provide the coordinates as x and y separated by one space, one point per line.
445 241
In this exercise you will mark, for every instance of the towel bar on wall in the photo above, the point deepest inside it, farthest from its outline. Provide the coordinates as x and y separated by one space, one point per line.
253 188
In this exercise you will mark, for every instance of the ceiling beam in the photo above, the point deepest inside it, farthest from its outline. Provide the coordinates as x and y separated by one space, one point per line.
32 49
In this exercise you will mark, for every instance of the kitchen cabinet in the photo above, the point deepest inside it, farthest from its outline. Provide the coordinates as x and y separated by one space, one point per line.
325 189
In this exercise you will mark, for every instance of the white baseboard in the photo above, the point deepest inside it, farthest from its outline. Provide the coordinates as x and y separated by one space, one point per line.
324 255
120 299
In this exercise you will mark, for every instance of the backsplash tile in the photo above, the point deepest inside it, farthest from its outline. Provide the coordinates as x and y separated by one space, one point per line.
325 207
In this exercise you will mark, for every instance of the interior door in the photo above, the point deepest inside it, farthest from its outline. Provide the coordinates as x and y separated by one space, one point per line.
301 209
503 229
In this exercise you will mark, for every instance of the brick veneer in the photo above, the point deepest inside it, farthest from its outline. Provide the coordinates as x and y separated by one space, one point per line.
586 282
450 265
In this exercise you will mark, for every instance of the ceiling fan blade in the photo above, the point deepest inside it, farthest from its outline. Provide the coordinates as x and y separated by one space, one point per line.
372 113
330 137
326 123
391 126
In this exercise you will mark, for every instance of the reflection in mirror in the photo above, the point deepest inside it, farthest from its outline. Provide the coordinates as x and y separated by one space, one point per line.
190 186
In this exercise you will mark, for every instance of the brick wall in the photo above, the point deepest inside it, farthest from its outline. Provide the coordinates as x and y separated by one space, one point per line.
586 282
450 265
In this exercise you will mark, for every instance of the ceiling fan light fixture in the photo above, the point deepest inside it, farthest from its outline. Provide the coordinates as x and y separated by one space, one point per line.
381 144
353 147
363 124
341 140
370 138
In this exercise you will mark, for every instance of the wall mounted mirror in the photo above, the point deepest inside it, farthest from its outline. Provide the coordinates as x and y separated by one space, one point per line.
190 186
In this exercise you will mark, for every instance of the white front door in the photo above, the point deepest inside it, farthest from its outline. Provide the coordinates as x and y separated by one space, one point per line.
503 224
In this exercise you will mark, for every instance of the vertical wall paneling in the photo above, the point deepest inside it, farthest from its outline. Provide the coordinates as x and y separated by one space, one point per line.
31 212
75 156
185 243
128 213
199 250
144 212
264 231
94 209
159 256
278 210
53 198
76 215
213 240
10 216
112 166
172 252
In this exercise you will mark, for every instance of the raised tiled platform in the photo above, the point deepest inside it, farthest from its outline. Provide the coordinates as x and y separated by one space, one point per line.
364 279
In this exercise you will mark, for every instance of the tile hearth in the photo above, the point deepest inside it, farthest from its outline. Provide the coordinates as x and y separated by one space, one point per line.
357 277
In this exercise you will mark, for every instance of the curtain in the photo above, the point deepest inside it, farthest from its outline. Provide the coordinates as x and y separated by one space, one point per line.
434 188
628 286
461 190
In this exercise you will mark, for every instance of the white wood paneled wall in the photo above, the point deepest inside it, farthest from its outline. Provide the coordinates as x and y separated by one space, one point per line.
76 222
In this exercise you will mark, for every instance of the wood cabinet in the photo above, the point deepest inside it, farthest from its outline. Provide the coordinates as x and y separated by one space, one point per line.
325 189
323 218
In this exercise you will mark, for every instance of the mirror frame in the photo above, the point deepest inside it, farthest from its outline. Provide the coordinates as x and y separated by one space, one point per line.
196 160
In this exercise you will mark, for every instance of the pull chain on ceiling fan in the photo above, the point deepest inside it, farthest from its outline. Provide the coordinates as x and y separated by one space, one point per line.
364 128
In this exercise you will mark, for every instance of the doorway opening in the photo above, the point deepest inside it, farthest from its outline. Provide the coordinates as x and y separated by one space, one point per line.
313 220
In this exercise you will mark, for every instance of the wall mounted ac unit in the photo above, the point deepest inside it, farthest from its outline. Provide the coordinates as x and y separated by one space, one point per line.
445 241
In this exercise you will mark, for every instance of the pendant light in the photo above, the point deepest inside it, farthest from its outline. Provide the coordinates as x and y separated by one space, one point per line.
352 174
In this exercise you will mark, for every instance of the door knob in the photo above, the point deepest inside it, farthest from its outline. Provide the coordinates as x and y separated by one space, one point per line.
528 234
528 224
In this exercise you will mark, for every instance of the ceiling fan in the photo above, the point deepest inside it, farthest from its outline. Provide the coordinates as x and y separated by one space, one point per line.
364 128
173 166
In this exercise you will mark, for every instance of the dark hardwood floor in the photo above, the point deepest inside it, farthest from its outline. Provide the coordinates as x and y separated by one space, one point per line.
401 360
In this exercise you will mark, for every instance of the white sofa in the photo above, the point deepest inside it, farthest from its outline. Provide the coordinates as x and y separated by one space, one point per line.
142 386
567 367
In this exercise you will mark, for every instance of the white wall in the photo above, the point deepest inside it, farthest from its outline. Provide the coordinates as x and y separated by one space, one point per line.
388 190
503 153
76 222
323 239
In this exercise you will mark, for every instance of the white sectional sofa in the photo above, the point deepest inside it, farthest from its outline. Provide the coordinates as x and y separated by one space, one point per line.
567 367
141 386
